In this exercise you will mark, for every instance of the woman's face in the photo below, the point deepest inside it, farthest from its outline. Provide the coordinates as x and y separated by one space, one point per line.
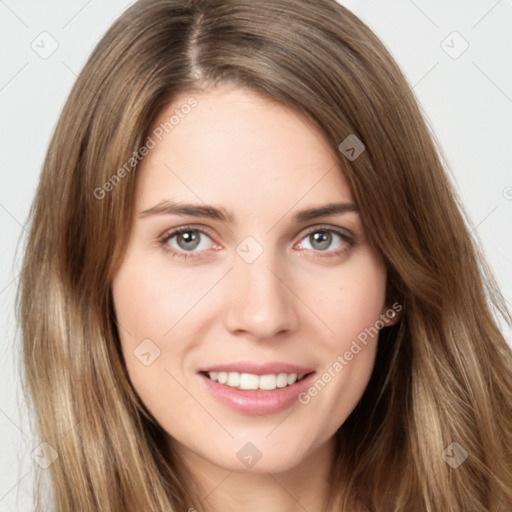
257 286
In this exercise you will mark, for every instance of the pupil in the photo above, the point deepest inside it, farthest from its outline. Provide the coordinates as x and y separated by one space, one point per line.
190 239
322 238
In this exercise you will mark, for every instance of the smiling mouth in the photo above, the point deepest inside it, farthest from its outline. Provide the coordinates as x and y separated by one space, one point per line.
251 381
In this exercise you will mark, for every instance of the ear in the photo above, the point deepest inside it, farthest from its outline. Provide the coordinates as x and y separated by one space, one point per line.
391 313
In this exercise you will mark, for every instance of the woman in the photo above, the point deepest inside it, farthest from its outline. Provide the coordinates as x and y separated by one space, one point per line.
248 282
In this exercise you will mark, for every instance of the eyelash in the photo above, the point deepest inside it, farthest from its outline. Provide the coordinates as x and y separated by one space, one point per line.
349 241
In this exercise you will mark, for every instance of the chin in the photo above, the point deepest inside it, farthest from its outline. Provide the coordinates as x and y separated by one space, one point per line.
267 456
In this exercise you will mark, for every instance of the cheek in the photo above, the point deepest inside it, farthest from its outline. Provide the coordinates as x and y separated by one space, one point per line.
156 305
353 303
150 299
145 306
351 308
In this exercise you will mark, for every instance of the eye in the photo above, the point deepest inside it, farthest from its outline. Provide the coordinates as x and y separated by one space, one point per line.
186 241
321 238
194 242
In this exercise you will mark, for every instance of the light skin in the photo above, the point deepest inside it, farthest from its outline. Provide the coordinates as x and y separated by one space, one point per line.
300 301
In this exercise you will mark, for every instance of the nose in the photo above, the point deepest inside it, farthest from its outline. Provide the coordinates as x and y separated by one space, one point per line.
261 301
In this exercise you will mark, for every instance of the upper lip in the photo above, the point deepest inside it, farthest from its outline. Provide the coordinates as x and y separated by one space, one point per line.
257 368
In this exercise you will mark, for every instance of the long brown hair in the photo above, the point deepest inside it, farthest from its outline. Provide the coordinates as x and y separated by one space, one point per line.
442 373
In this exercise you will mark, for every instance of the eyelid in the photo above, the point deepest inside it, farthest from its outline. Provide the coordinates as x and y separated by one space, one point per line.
327 227
188 227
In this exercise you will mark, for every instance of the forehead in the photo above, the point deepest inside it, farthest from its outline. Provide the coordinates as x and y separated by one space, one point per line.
240 150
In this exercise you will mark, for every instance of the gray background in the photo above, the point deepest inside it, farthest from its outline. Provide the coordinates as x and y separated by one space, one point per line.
466 97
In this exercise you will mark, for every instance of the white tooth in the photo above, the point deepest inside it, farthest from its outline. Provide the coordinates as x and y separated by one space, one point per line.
233 379
249 381
292 377
268 382
282 380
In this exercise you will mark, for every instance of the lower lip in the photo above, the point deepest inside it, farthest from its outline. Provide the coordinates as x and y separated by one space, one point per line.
257 402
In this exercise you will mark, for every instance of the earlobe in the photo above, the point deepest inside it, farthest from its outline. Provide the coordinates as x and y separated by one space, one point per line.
391 314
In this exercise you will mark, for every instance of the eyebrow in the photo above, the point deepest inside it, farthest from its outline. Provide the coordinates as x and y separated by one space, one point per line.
221 214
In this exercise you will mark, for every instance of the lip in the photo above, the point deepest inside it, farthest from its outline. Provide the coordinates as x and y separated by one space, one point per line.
257 369
257 402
